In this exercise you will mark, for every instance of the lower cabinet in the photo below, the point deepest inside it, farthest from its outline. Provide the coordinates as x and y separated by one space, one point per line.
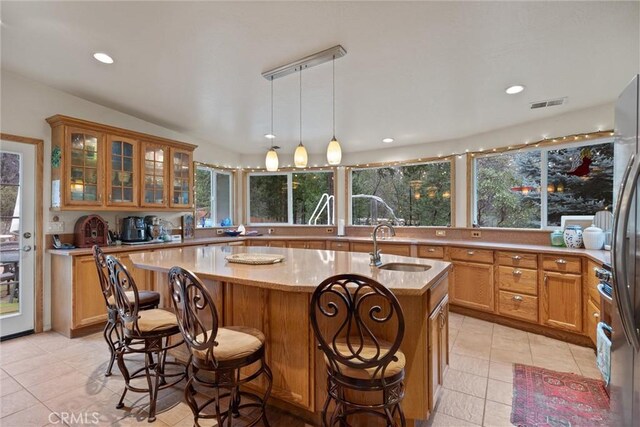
309 244
472 285
593 317
562 301
438 349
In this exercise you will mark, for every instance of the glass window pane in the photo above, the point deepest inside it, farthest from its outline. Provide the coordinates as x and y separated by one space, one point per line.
91 159
116 148
76 158
77 141
148 167
268 199
91 143
310 192
223 197
148 154
127 149
580 181
508 190
10 168
127 164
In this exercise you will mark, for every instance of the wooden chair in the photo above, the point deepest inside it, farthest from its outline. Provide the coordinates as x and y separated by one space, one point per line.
148 300
144 331
217 352
348 314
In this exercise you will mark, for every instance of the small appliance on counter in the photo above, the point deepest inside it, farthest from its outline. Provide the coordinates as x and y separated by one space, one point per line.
90 230
154 228
133 230
593 237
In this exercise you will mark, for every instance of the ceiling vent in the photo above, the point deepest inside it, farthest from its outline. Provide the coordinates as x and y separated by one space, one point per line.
549 103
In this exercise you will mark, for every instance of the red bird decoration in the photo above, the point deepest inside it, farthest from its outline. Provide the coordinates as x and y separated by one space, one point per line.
582 169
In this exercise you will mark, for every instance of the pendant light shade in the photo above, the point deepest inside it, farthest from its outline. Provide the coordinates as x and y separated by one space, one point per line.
272 160
300 156
334 151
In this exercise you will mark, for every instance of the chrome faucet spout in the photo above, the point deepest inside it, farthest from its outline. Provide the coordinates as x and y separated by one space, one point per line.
375 255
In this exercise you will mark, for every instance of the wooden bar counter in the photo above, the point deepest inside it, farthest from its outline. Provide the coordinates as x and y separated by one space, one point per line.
275 299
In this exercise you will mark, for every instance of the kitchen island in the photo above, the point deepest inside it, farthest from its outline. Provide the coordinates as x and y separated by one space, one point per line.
275 299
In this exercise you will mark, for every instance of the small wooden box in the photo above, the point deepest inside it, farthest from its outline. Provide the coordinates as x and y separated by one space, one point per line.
90 230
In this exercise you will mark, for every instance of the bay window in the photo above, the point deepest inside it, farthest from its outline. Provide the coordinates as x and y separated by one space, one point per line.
213 197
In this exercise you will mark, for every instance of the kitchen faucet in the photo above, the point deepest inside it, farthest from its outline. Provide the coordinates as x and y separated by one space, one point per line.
375 255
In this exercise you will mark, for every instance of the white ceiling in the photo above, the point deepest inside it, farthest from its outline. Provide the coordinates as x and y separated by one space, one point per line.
416 71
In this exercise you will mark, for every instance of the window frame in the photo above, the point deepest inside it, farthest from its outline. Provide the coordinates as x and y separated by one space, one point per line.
472 185
452 187
215 171
289 173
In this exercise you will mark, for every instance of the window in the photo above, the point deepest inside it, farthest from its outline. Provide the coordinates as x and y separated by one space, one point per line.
291 198
417 195
214 197
535 188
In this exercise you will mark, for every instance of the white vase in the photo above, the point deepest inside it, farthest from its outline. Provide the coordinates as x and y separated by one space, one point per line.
593 237
573 236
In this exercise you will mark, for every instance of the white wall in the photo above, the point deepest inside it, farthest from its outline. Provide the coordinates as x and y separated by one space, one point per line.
24 106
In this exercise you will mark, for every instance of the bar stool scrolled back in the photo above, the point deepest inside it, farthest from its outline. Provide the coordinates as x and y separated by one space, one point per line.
217 355
350 314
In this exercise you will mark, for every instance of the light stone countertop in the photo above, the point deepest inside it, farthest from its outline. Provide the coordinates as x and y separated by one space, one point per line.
301 271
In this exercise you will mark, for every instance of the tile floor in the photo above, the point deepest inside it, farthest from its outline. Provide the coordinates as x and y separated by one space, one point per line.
45 376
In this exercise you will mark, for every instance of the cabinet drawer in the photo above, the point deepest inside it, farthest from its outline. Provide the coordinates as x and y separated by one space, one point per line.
593 317
518 279
517 259
518 305
385 248
592 282
315 244
338 246
430 251
472 255
564 264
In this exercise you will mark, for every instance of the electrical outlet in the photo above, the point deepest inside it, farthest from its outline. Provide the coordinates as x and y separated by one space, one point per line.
476 233
219 231
56 227
441 233
329 230
270 231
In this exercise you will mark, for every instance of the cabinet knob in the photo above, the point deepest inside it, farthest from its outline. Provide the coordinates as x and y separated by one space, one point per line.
561 261
516 257
431 250
99 197
470 252
596 314
517 272
546 278
517 298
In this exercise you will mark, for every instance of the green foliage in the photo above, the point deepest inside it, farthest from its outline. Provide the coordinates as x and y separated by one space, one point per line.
268 200
202 194
308 188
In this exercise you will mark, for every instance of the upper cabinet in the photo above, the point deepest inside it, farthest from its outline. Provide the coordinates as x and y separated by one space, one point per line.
105 168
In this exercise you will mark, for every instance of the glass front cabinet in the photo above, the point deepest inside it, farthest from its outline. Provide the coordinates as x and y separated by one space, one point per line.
105 168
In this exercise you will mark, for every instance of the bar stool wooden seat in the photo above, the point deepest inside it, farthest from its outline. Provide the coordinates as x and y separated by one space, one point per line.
217 355
147 332
148 300
350 314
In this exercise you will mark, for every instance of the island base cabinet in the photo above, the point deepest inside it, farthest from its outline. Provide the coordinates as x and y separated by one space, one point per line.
438 350
562 301
473 285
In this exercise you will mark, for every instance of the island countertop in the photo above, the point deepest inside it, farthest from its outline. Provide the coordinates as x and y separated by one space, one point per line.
301 271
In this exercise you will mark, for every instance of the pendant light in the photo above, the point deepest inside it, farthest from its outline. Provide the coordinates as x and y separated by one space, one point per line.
271 161
334 151
300 156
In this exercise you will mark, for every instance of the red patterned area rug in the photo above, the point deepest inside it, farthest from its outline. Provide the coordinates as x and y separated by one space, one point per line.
545 398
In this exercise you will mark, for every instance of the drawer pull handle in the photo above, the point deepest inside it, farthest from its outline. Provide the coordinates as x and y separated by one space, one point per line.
431 250
516 257
596 314
561 261
517 298
517 272
470 252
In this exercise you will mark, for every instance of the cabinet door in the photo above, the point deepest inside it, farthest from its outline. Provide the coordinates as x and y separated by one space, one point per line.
181 179
593 317
154 173
84 168
473 286
140 276
434 358
444 338
88 303
562 301
122 171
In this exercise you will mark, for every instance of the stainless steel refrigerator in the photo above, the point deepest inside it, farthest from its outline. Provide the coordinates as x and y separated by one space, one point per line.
625 347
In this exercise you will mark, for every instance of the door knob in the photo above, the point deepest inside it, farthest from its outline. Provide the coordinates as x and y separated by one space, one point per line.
27 235
26 248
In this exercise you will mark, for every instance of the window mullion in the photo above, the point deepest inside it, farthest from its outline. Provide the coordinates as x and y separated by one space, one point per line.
290 198
213 207
544 182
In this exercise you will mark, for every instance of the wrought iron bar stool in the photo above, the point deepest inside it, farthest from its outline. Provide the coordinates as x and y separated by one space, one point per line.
148 300
147 332
349 313
217 354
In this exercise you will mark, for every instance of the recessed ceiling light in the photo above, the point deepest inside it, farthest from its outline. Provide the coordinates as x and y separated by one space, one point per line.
269 136
387 140
512 90
103 57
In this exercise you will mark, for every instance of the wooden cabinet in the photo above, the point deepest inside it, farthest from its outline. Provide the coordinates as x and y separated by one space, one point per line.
309 244
561 305
105 168
517 259
385 248
471 255
438 350
337 245
473 285
518 305
593 317
563 264
436 252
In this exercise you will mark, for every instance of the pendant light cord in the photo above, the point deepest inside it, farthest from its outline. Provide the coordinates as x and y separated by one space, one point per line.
334 97
272 111
300 105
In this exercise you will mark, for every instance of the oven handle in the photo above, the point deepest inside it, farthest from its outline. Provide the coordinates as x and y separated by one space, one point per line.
603 294
620 248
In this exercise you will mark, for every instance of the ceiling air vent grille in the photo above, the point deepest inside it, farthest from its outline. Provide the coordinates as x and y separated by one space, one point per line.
548 103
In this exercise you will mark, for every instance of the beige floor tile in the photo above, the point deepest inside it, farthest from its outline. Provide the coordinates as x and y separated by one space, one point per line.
591 373
477 326
508 356
472 349
499 391
16 402
8 385
438 419
542 340
550 351
511 333
465 383
462 406
49 389
44 373
188 422
3 374
455 320
586 363
471 365
16 351
582 352
82 398
25 365
453 334
50 341
559 365
35 416
497 414
501 371
508 343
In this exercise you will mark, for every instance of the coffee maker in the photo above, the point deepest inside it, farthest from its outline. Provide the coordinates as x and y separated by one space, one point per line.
154 228
133 229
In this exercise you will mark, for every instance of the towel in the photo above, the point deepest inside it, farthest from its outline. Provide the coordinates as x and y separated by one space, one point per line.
603 359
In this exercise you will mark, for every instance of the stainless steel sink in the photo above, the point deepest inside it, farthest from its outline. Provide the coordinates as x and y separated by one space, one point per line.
403 266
